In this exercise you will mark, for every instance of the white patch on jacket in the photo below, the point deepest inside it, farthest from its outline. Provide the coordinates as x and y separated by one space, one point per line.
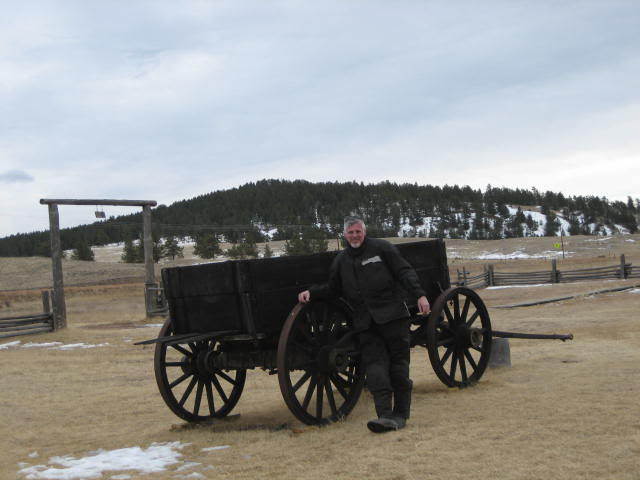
371 260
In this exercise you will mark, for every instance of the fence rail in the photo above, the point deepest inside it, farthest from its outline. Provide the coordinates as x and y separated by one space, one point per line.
28 324
490 277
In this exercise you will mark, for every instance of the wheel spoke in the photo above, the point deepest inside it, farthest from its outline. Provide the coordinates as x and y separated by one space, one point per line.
472 318
219 389
301 381
446 356
332 401
472 362
456 308
463 366
179 380
478 349
175 364
447 312
465 309
182 350
187 392
338 382
446 341
309 394
212 407
319 396
452 370
226 377
196 407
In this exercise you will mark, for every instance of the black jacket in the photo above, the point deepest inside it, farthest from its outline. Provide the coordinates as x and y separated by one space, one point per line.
369 278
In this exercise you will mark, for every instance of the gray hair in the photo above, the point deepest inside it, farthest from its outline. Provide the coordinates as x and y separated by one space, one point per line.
352 220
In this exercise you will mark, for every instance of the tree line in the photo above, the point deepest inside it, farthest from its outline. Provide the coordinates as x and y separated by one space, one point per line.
292 210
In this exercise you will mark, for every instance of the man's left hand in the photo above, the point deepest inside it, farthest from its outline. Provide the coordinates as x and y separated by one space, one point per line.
423 305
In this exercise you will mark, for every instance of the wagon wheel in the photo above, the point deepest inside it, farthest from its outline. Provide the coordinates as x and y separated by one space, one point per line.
319 366
459 337
183 380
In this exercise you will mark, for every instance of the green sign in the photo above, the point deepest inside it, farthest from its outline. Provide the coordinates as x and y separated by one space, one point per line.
557 245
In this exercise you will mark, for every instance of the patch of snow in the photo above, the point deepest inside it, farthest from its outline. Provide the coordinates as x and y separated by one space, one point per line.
71 346
211 449
605 239
4 346
187 466
521 286
33 455
191 475
630 240
635 290
154 325
155 458
124 476
41 345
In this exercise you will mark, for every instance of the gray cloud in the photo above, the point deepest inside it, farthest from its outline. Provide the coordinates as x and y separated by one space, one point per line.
208 95
15 176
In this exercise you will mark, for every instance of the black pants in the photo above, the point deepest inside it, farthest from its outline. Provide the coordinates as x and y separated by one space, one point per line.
386 355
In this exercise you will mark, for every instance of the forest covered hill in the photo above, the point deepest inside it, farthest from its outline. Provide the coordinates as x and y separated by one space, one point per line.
280 209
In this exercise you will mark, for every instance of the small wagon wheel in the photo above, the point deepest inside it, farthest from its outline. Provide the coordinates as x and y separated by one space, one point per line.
188 387
459 337
319 366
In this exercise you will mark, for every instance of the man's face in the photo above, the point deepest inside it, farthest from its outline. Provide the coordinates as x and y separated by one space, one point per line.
355 234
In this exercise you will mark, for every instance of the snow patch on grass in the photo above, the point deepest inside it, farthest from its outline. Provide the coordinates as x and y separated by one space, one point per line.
520 286
155 458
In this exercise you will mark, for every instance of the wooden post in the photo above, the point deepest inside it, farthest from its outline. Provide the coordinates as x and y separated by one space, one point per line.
490 277
59 306
46 305
149 274
554 271
623 270
464 275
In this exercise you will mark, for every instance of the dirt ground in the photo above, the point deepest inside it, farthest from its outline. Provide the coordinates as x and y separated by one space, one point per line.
561 411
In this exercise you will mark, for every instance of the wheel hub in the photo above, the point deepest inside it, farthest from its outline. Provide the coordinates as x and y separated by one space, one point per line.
331 359
468 337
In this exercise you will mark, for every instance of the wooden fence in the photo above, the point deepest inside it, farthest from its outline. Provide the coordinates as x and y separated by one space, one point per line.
28 324
490 277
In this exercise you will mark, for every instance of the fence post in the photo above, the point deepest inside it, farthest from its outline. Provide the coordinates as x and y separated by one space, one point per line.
46 306
623 265
458 273
59 305
554 271
490 278
464 275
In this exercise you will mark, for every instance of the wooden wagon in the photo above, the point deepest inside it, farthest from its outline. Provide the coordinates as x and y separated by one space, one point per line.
228 317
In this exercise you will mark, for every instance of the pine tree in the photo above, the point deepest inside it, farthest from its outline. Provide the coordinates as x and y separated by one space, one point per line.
552 227
207 246
268 253
83 252
129 254
171 248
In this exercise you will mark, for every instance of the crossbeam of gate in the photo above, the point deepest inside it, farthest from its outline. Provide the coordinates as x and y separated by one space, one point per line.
59 305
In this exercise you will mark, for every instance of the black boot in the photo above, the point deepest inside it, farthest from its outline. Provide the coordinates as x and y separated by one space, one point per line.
385 421
401 407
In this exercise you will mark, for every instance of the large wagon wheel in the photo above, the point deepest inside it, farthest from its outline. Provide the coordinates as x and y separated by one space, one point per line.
459 337
183 380
319 366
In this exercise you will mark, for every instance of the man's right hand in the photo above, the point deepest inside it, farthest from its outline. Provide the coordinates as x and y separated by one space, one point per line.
304 297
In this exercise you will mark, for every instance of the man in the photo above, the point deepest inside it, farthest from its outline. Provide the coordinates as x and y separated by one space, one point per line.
368 274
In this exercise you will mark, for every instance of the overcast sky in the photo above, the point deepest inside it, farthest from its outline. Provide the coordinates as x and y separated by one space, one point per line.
170 100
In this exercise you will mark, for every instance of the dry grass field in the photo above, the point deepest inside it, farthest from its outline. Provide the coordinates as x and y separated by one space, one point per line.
562 411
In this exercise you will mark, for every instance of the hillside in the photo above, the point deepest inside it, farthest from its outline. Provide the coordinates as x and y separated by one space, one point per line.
279 209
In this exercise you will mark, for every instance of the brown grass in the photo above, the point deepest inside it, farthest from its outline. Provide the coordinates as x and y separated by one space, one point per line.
562 411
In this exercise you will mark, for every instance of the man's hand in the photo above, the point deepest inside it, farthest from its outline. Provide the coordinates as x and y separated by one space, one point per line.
423 305
304 297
